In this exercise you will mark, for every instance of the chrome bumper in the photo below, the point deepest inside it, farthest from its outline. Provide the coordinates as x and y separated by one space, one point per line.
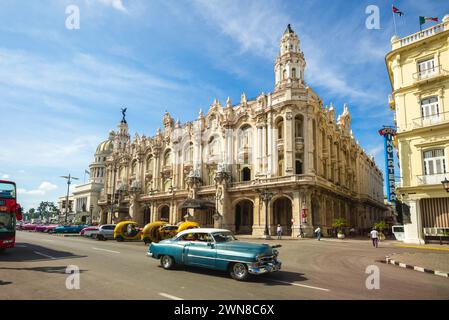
266 268
149 254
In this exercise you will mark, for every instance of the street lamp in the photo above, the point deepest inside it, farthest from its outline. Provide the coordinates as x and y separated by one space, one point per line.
69 181
445 183
266 196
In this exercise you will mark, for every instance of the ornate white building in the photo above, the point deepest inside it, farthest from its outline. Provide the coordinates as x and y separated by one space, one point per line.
284 145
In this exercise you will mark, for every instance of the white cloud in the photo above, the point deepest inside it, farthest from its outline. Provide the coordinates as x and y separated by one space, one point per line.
5 176
116 4
43 189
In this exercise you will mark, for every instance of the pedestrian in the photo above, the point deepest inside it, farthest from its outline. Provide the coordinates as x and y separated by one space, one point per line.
279 231
375 237
318 233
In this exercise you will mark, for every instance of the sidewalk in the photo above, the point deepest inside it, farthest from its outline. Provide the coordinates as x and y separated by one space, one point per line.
428 262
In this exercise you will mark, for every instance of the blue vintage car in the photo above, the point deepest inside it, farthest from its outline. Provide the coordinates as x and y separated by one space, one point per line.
216 249
68 229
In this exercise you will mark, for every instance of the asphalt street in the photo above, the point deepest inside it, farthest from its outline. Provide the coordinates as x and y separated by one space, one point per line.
36 269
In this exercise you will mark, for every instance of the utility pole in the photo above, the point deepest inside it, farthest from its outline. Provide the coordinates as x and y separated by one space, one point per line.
69 181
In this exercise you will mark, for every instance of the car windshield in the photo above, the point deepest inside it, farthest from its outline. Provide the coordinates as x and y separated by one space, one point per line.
6 222
7 190
223 236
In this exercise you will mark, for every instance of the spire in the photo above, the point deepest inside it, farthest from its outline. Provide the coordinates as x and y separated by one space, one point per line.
289 29
290 64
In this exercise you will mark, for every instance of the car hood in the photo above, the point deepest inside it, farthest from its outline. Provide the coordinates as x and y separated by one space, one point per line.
257 248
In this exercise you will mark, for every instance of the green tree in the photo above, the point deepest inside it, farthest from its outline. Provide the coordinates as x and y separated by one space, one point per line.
339 223
46 209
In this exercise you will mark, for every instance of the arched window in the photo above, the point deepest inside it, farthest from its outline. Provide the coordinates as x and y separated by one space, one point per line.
149 163
284 74
299 120
188 153
280 128
294 73
245 136
167 158
246 174
298 167
134 167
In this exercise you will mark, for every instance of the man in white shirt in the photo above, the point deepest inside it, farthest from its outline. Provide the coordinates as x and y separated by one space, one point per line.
375 237
318 233
279 232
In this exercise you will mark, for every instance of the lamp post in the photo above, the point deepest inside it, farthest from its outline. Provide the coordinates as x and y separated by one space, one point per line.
69 181
445 184
91 208
266 196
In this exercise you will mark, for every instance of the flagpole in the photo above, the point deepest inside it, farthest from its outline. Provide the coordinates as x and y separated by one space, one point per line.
394 21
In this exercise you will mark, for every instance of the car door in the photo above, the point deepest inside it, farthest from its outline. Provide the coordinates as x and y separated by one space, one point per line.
201 252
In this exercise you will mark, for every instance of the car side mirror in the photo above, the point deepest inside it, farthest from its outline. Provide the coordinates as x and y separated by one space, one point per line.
210 244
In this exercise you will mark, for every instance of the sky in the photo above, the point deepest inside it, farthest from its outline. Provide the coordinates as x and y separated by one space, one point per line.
61 89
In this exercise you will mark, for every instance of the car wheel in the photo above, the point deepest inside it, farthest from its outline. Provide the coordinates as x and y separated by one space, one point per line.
167 262
99 237
239 271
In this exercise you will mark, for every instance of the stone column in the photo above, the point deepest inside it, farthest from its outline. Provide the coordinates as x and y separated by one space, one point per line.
413 232
296 214
270 133
289 138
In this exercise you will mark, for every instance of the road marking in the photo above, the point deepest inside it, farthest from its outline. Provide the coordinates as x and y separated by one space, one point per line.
44 255
169 296
112 251
298 285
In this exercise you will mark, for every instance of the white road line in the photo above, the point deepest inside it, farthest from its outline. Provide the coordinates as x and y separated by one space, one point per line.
169 296
112 251
44 255
299 285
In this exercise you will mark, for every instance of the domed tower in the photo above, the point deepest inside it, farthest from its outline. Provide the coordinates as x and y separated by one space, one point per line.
97 168
289 65
122 138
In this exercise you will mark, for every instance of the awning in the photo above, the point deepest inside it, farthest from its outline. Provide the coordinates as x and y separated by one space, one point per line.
197 204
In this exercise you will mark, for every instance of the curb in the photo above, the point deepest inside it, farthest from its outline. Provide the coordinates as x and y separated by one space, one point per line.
65 235
388 260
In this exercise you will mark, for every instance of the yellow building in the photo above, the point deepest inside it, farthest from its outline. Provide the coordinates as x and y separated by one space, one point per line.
418 67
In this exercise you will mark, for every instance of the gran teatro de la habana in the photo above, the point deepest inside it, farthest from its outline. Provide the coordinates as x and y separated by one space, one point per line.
283 158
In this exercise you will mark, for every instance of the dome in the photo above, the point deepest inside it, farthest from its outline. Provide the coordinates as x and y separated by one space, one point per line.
105 147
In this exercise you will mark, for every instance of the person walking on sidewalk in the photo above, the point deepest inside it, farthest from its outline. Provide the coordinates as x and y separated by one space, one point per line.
375 237
318 233
279 231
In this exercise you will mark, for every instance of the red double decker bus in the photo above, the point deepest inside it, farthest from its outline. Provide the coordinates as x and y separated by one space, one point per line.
10 212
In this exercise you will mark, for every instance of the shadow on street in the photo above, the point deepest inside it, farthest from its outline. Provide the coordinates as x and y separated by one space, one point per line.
26 252
48 269
269 279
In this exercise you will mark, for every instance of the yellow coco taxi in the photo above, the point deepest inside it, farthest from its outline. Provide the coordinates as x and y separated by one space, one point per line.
127 231
161 230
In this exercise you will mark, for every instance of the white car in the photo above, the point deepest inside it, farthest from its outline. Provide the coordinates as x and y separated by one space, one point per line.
105 231
89 232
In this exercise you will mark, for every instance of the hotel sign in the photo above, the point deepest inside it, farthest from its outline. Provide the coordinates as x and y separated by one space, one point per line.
388 133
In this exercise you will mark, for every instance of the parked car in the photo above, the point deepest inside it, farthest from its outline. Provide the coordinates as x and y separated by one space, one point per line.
68 229
105 232
216 249
29 227
45 227
90 232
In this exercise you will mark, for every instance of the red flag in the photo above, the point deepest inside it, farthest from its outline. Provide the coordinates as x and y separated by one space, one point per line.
396 10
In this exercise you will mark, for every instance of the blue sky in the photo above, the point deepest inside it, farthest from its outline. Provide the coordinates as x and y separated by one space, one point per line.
61 90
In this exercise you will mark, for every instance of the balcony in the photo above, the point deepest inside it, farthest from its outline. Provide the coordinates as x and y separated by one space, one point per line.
430 120
421 35
429 74
431 179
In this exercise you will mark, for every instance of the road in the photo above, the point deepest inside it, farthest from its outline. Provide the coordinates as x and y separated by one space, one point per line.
36 268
